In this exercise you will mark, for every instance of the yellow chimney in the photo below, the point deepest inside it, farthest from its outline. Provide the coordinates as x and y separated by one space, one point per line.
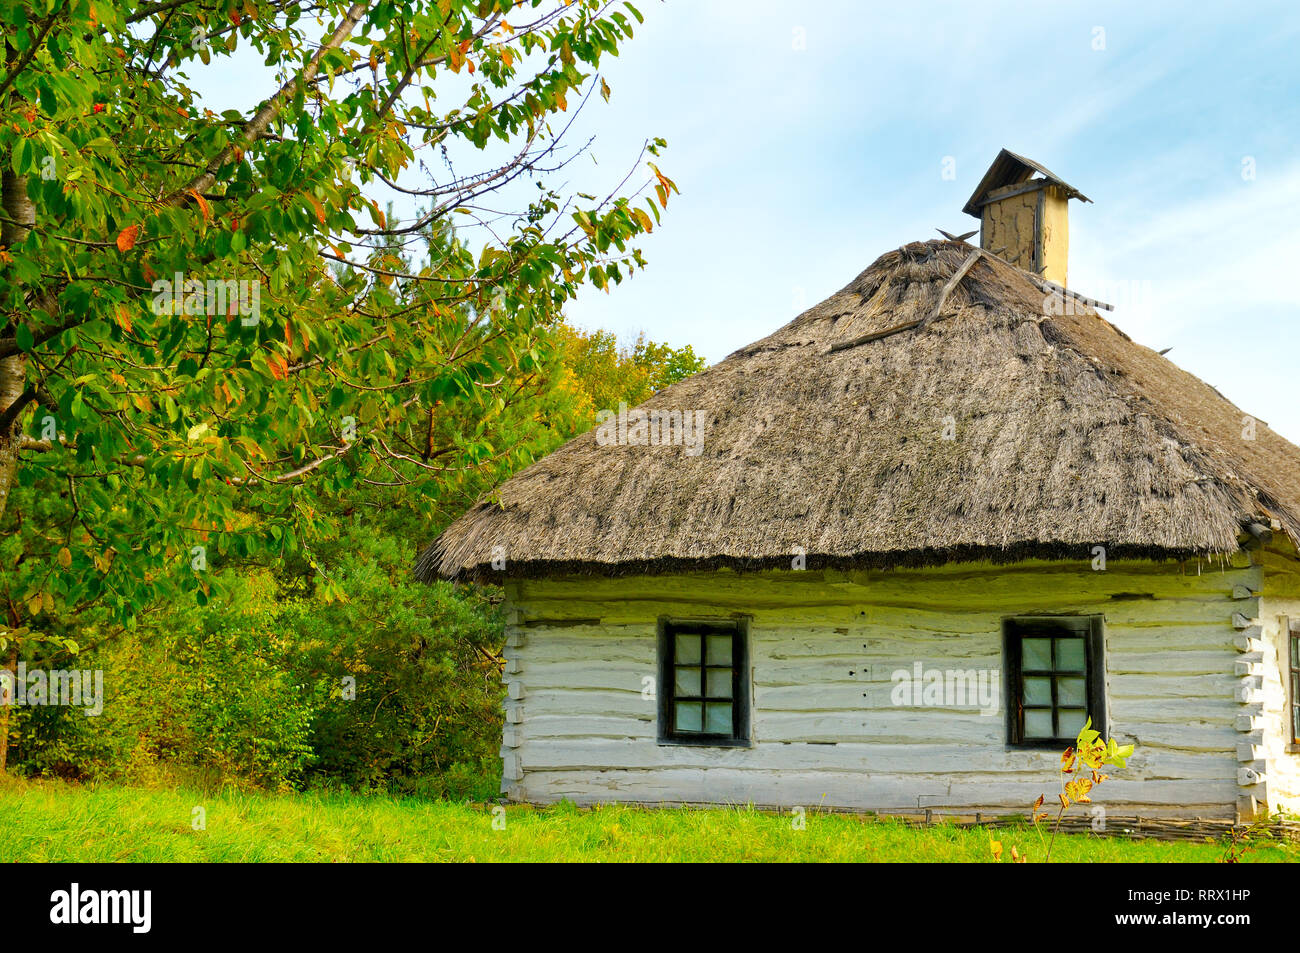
1024 215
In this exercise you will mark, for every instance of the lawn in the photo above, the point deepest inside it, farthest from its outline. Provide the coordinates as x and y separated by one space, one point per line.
53 821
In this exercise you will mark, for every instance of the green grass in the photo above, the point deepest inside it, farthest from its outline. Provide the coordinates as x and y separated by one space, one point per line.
53 821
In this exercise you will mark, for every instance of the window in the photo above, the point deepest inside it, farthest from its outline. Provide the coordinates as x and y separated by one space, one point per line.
1055 679
703 683
1293 652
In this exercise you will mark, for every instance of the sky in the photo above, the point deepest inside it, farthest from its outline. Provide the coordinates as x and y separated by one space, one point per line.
808 139
806 144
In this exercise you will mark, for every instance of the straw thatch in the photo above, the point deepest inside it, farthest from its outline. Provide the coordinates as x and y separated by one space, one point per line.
1067 435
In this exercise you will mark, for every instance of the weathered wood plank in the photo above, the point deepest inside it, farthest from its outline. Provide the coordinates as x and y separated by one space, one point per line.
896 759
851 789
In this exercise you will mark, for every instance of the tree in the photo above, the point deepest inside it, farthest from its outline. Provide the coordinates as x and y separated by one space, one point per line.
209 327
601 375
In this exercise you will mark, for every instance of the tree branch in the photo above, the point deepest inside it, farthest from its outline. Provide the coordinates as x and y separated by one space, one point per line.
31 51
256 126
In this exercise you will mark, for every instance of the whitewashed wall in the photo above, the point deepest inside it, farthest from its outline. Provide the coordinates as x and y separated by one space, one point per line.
1280 601
580 726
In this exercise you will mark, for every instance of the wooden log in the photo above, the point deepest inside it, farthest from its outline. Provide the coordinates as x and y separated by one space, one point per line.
1249 691
951 284
1252 775
874 336
1259 533
511 767
1249 640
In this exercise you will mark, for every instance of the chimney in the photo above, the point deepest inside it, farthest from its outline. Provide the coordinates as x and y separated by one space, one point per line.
1023 215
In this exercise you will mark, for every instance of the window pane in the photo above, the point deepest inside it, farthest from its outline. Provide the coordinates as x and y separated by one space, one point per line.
687 681
1038 691
719 650
1072 691
1295 651
1071 721
1069 655
1036 654
1295 706
687 650
1038 723
689 716
718 720
719 683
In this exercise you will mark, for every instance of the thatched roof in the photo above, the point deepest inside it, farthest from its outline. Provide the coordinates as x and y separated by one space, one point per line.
1067 435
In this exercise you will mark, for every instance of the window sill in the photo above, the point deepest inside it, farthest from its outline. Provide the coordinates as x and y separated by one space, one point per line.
1057 746
705 743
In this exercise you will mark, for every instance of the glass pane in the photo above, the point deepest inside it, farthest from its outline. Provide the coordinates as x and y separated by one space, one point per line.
1069 655
1071 721
689 716
687 650
1036 654
718 720
719 683
1071 691
719 650
687 681
1038 691
1295 708
1038 723
1295 652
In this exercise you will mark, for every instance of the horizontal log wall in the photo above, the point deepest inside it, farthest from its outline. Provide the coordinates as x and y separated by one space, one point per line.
581 713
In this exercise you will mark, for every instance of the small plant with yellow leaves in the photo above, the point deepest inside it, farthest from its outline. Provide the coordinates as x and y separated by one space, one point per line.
1080 771
1092 754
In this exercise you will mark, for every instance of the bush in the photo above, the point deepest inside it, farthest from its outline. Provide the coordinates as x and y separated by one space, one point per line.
413 678
396 685
249 719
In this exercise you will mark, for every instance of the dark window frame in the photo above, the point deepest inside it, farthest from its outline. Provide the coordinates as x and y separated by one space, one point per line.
1014 630
1292 629
738 628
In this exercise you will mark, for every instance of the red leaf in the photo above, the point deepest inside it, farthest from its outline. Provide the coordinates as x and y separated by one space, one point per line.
203 205
126 238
